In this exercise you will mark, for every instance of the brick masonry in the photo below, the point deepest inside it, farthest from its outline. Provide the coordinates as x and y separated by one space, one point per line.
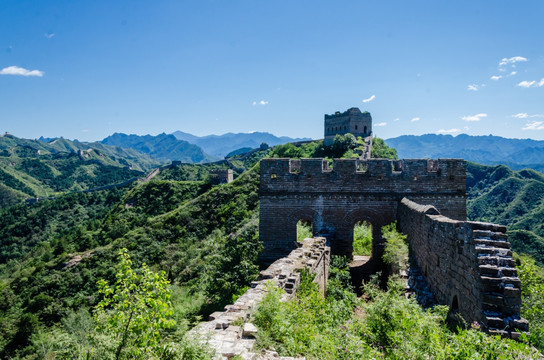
335 198
468 266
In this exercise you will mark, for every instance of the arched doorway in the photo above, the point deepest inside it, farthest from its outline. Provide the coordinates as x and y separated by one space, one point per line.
304 230
362 239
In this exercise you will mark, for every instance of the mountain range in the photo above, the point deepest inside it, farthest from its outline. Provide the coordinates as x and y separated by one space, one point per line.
35 168
163 147
221 145
490 150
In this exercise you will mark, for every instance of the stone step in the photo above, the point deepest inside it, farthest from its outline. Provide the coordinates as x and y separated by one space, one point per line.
496 260
495 322
487 229
519 324
497 285
497 271
494 302
494 243
493 251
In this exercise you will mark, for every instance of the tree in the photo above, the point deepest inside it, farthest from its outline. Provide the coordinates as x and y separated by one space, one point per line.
342 143
136 309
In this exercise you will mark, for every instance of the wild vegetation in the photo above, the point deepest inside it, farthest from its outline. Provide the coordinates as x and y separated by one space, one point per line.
383 324
205 239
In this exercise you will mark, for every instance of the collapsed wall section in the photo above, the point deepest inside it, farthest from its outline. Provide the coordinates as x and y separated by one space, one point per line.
468 266
228 333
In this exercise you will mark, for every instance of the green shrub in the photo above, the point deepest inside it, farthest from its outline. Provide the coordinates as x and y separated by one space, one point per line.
304 230
362 239
396 250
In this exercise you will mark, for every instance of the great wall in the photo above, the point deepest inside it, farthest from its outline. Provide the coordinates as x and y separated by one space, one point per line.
466 265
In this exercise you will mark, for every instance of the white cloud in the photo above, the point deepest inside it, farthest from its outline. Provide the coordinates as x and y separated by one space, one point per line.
262 103
396 119
534 83
525 116
15 70
496 77
534 125
513 73
415 119
512 60
49 35
450 131
476 117
369 99
473 87
381 124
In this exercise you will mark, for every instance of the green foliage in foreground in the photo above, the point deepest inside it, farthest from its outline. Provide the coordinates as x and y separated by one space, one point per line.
136 309
532 306
130 322
387 326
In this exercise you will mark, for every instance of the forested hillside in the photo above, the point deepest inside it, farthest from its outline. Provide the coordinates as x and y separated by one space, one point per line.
32 168
513 198
163 147
54 251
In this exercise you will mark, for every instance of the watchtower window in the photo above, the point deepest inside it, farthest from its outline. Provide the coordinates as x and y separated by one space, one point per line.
364 130
355 127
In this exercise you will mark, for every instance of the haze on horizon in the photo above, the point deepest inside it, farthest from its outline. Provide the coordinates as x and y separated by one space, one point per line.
86 69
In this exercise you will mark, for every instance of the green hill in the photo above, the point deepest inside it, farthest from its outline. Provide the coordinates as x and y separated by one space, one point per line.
53 252
163 147
512 198
32 168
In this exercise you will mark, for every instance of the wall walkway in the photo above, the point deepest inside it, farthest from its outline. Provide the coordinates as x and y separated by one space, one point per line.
229 333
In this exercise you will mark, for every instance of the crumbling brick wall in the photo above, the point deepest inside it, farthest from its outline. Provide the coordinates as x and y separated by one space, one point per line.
468 266
228 332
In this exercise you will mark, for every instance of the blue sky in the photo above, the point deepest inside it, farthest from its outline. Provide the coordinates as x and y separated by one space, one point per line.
85 69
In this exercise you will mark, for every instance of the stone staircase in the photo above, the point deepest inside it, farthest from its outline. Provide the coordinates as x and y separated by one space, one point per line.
500 283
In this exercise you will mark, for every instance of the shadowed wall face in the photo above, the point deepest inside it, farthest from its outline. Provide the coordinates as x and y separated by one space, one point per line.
468 266
335 199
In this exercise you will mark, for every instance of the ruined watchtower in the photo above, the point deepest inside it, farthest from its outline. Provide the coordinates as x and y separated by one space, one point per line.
350 121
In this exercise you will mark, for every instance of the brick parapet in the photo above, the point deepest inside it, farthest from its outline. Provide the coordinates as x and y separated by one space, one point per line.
468 266
406 177
227 339
334 199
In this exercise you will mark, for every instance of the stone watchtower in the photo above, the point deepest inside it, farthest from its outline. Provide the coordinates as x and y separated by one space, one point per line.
350 121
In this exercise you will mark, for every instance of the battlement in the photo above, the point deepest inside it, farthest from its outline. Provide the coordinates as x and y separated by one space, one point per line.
355 175
350 111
